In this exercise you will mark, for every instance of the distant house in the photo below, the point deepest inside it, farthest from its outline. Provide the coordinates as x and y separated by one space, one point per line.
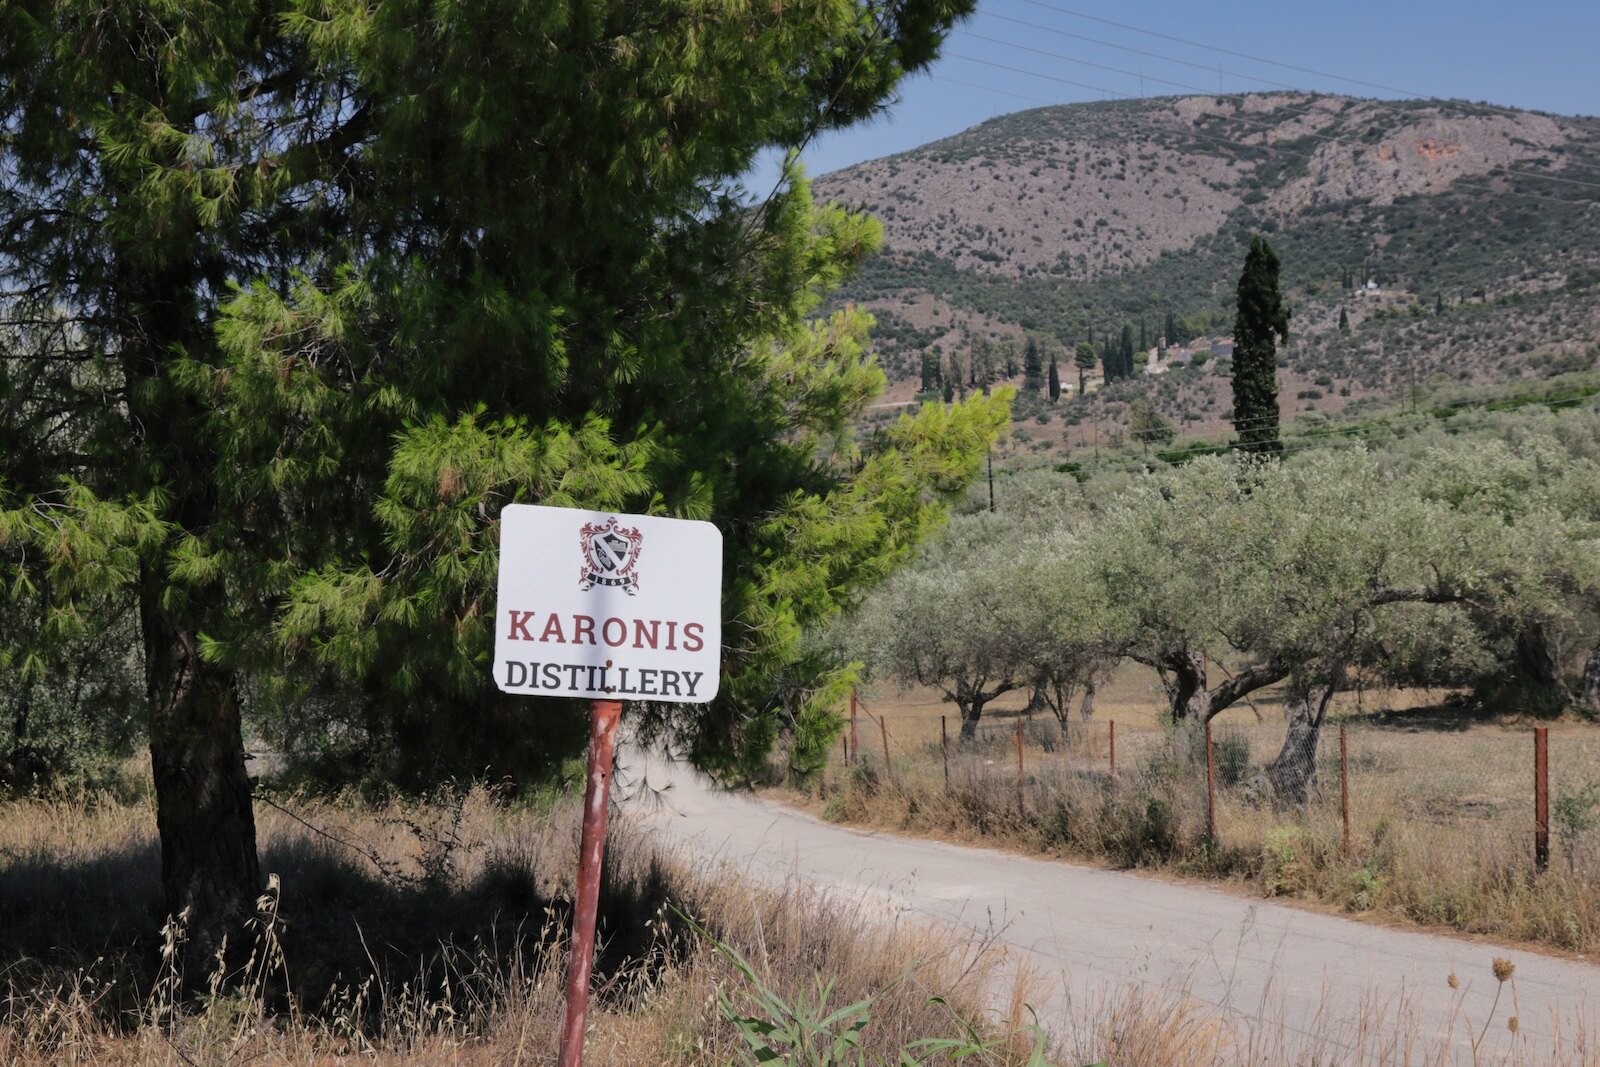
1222 347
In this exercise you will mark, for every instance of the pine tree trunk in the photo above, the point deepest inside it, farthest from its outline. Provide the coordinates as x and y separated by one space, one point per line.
210 873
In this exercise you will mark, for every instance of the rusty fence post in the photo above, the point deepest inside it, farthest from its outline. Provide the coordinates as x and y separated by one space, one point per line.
1021 803
1541 797
603 718
1113 753
1344 790
1211 789
944 751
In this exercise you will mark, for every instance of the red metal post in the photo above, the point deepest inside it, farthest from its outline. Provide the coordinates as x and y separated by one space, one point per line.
1113 753
944 751
1541 797
603 718
1344 789
1211 788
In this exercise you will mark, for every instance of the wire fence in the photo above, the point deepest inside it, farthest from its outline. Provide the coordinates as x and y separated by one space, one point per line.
1436 794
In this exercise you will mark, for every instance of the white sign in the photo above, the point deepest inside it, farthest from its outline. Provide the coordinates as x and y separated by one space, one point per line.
608 606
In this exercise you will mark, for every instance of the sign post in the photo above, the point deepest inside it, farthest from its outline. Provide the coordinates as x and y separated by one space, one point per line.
604 606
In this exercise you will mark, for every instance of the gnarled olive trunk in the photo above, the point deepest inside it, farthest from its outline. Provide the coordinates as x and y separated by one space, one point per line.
1293 773
971 699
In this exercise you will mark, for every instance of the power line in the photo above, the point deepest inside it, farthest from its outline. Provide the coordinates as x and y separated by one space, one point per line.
1000 92
1264 126
1412 94
1476 183
1308 112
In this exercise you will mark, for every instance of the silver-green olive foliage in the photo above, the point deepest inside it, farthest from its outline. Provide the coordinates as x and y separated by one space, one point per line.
1450 561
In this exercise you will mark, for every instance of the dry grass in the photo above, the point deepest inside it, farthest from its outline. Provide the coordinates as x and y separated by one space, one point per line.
1441 810
430 932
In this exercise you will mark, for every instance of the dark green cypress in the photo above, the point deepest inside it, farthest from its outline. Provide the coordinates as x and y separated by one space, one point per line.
1262 318
1084 361
1055 380
1032 364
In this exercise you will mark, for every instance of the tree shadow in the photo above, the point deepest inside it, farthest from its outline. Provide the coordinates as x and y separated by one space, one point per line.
1446 716
342 923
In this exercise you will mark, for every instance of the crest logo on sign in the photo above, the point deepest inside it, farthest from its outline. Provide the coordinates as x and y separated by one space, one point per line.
610 555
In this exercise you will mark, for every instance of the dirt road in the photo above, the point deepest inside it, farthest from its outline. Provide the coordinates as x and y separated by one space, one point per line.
1089 933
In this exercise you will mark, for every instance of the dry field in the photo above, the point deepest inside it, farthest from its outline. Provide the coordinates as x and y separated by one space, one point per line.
1441 808
430 933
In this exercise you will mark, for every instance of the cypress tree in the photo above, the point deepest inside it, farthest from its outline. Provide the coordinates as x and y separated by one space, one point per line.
1125 361
1032 364
1262 319
1055 380
1171 329
1344 321
982 361
1084 361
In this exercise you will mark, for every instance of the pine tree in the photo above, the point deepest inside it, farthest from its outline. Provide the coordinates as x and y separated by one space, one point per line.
1262 318
1055 380
342 286
1084 361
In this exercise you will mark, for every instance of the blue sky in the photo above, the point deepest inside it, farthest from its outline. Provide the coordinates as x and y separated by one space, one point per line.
1537 55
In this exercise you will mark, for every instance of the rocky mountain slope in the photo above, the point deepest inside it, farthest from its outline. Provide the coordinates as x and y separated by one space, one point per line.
1478 229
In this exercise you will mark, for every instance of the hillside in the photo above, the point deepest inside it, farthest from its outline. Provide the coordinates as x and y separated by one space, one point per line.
1478 229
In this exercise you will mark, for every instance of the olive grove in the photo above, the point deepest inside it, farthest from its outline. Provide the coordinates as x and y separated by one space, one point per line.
1464 562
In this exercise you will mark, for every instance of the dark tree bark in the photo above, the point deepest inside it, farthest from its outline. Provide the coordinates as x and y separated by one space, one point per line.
1292 774
210 874
971 699
1538 673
